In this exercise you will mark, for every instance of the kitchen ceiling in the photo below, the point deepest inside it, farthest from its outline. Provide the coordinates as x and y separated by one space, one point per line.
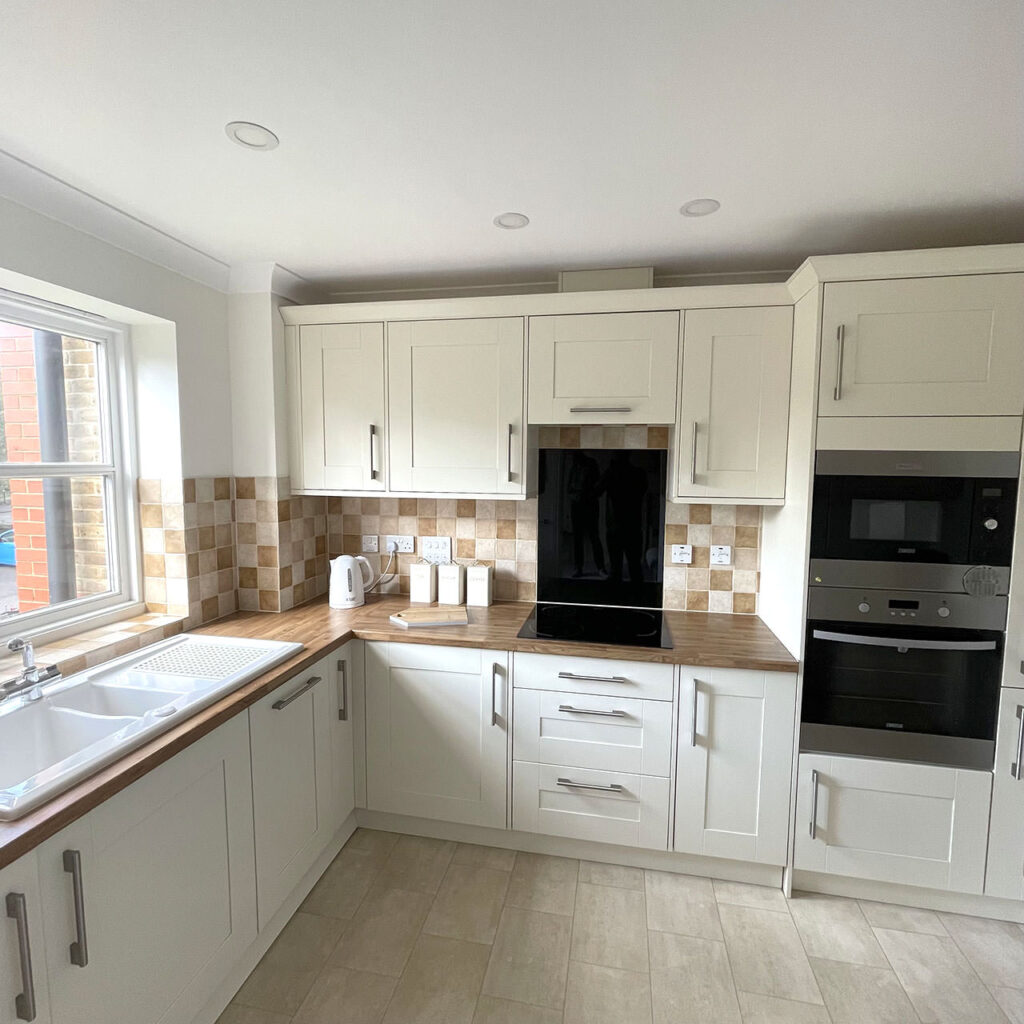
407 127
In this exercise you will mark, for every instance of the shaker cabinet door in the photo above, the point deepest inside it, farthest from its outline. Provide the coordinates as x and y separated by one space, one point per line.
1004 875
23 983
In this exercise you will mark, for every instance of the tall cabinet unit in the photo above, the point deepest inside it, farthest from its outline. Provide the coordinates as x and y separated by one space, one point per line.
1004 875
456 395
732 427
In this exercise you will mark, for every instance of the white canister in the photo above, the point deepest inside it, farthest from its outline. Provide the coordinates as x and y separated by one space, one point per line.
451 583
423 582
479 585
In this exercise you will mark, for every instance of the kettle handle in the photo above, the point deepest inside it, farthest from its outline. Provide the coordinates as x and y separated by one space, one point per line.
365 569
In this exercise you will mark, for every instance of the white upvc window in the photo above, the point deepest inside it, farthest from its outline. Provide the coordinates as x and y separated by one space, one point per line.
68 528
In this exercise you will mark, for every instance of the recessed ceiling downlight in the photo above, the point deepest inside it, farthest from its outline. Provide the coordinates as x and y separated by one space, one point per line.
511 221
699 207
250 135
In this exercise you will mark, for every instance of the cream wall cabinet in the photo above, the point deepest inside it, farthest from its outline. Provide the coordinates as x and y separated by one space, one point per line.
732 428
604 368
341 415
436 732
1004 875
168 890
20 894
291 737
940 346
734 763
456 399
892 822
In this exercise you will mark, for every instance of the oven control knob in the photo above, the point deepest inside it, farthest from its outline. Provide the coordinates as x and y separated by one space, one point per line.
943 612
864 607
990 524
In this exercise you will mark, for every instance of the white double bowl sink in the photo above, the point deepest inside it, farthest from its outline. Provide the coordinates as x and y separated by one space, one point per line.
86 721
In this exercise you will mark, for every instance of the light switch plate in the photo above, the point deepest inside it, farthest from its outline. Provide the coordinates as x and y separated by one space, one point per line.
721 554
403 544
436 549
682 554
370 544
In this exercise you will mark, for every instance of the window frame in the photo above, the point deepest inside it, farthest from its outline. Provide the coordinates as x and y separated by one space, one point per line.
117 468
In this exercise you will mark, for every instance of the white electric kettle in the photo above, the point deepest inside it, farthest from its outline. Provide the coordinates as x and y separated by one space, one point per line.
350 575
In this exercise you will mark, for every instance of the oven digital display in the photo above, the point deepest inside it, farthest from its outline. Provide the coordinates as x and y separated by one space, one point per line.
914 605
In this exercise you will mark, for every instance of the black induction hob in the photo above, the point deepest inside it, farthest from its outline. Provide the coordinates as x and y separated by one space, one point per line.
597 624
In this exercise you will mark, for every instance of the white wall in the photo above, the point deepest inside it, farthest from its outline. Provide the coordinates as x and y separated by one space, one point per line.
51 260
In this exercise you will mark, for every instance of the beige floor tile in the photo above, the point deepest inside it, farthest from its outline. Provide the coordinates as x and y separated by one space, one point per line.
485 856
994 948
611 874
610 927
543 883
684 904
1011 1001
903 919
284 976
761 1009
370 840
468 904
441 983
343 885
247 1015
503 1011
341 996
383 932
939 980
691 982
835 929
761 897
766 954
529 958
417 864
606 995
855 994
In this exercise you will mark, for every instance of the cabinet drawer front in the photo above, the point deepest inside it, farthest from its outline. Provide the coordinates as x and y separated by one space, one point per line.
634 815
593 675
611 733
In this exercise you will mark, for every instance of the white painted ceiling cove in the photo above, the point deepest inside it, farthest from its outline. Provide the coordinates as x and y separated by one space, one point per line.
405 127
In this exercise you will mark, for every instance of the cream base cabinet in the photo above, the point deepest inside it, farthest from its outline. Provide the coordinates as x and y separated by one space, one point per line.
734 763
348 681
733 423
20 895
604 368
891 822
340 409
940 346
436 732
456 402
167 881
1004 875
292 781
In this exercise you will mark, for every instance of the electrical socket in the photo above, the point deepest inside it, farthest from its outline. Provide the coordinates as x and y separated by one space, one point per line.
370 544
721 554
436 549
402 544
682 554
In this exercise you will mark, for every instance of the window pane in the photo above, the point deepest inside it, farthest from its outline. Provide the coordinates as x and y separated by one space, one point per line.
54 541
49 397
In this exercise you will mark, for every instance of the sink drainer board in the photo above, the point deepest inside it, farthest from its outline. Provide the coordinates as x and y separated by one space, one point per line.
202 659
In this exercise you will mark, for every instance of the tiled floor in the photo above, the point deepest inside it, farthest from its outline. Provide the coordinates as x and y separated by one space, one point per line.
402 929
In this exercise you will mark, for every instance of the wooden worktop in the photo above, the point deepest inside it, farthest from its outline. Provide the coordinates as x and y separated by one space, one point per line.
699 638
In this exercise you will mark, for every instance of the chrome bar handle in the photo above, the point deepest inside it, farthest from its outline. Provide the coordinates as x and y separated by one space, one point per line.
837 391
343 710
25 1001
592 679
285 701
373 434
814 804
601 408
569 709
509 478
693 731
693 455
1017 768
613 788
80 947
494 698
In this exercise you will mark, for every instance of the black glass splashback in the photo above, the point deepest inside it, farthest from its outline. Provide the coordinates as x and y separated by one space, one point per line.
601 526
